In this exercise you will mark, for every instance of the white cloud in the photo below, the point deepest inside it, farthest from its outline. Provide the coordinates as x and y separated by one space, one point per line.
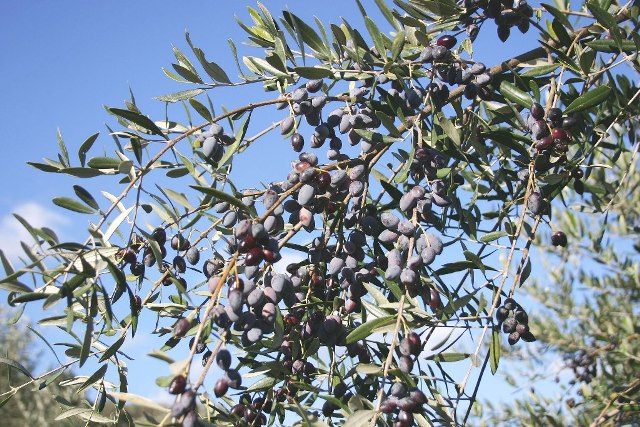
12 232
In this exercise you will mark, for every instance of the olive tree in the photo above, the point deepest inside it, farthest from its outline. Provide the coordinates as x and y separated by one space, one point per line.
419 181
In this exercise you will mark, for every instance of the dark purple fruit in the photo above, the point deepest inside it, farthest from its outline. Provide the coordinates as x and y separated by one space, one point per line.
223 359
159 235
339 390
178 384
544 143
137 269
555 115
183 404
509 325
237 410
205 358
181 327
559 239
434 299
233 378
129 257
221 387
502 314
447 41
193 255
510 304
201 347
399 390
328 408
514 337
536 203
415 343
405 364
405 418
254 256
522 328
179 264
521 317
537 112
297 142
137 302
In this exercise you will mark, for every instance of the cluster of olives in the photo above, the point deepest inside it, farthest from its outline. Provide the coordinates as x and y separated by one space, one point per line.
250 412
254 321
552 135
231 378
404 402
213 141
583 365
514 321
474 76
505 13
410 345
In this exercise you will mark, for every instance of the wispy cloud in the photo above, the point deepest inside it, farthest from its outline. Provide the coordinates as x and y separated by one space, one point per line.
12 232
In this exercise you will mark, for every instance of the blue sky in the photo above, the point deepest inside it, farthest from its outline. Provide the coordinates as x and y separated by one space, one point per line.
65 60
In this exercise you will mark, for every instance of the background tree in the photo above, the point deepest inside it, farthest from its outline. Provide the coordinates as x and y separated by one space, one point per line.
441 172
27 405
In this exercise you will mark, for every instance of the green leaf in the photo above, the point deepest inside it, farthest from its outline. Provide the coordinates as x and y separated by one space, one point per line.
96 376
81 172
607 20
86 146
221 196
260 66
494 350
313 72
610 45
211 68
449 357
44 167
72 205
104 163
588 100
308 35
365 329
513 94
525 272
16 365
179 96
396 46
360 418
561 17
437 7
450 130
201 109
86 197
138 119
540 70
86 342
494 235
376 36
63 150
6 264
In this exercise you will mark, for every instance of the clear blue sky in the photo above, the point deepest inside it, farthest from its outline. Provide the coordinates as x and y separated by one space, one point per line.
64 60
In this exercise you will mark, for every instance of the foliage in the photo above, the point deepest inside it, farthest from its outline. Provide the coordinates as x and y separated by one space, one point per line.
419 227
